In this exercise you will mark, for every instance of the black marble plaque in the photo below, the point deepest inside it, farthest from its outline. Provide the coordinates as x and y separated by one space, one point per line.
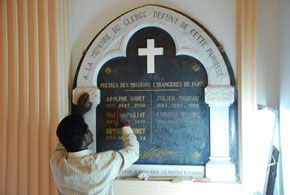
166 108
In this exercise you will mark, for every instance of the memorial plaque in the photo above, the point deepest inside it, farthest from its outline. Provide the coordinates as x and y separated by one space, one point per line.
175 81
166 106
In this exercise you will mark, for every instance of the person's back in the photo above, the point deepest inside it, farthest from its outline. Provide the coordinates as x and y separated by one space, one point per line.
78 170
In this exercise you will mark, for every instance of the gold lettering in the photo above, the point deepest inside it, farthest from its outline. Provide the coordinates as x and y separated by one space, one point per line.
139 130
139 122
111 138
110 131
137 98
167 84
193 105
186 84
161 105
178 114
165 98
124 85
139 105
111 115
167 114
110 122
142 138
110 105
188 98
124 105
116 98
133 85
136 114
160 122
177 105
189 114
109 85
198 84
190 121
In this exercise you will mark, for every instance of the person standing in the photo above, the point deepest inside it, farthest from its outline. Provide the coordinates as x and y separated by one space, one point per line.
78 170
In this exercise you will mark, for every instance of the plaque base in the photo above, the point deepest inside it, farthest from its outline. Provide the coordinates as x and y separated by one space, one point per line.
224 172
164 170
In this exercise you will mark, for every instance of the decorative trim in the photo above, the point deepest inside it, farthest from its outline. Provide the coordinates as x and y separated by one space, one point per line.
219 95
112 42
246 17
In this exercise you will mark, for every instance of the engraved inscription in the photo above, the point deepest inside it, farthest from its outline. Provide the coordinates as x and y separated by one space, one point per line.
165 109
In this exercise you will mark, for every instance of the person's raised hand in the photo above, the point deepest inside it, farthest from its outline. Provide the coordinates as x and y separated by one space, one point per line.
84 105
122 117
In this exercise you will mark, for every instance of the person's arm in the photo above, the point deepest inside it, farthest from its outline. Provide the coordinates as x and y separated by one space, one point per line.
83 107
130 152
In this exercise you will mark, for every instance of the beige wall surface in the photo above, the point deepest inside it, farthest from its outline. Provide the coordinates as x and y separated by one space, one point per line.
267 53
284 61
273 69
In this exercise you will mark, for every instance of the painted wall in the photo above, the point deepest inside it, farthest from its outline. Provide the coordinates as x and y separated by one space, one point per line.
273 69
88 17
284 61
267 72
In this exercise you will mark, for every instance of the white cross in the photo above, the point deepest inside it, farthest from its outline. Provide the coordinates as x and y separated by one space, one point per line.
150 52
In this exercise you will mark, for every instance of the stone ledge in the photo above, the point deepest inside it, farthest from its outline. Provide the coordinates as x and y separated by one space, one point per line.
140 187
224 172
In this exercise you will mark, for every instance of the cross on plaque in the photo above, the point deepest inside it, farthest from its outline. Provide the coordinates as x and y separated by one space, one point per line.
150 52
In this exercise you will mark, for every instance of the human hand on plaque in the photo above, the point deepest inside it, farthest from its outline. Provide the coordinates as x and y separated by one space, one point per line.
121 118
84 105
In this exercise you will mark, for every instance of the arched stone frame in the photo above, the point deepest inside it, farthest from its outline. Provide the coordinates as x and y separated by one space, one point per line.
190 39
